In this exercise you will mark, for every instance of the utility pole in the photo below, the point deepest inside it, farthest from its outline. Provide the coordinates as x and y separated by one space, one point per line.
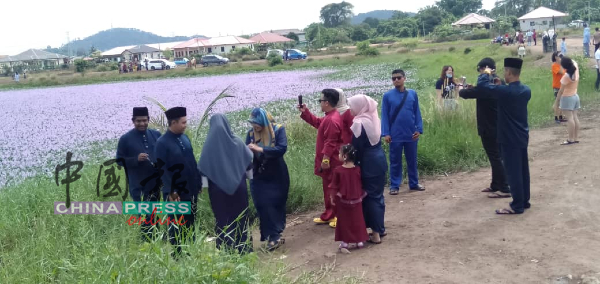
68 45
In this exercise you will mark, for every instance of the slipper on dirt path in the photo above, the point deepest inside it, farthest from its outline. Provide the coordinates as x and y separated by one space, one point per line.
568 142
380 235
488 190
505 211
394 191
499 195
373 242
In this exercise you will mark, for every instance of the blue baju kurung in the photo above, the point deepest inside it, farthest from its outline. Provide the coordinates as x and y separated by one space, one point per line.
373 166
513 135
270 186
407 122
179 173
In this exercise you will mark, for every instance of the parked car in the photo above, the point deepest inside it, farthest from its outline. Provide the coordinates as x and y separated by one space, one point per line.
181 61
156 64
276 51
213 60
296 54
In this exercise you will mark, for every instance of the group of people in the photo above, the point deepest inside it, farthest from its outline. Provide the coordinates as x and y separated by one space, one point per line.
349 159
154 161
136 65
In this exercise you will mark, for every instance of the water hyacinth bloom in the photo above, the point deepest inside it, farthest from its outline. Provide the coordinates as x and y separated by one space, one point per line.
41 125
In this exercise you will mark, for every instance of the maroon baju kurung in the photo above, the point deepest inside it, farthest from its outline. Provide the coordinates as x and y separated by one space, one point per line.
347 185
347 118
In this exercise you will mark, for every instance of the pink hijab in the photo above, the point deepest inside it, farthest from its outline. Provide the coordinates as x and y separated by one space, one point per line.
365 110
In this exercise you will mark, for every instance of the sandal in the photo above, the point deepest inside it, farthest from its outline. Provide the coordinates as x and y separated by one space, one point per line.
343 248
319 221
394 191
499 195
567 142
275 245
505 211
489 189
333 223
381 235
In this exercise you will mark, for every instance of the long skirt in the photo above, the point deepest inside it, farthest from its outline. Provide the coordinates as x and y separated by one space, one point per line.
231 214
270 198
350 226
374 204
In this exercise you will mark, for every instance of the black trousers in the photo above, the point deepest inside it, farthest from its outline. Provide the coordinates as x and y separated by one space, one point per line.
490 145
179 233
598 78
516 164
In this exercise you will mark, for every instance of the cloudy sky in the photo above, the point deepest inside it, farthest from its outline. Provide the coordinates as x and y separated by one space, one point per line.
39 23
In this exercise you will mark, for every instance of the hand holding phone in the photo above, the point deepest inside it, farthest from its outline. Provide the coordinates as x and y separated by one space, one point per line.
300 101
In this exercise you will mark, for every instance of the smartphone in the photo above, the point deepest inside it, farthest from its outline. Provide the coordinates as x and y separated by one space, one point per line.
300 101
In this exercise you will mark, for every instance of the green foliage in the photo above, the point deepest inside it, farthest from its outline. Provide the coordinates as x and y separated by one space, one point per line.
506 24
372 22
477 34
431 16
467 50
451 49
361 33
167 53
293 36
336 14
81 65
274 59
445 33
407 27
460 8
365 49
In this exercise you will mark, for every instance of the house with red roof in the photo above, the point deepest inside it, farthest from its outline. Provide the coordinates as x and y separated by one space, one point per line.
215 45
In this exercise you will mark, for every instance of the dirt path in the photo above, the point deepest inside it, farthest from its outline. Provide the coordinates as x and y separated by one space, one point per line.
450 234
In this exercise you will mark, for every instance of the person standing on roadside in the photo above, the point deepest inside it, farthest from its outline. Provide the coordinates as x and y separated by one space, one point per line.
401 127
487 128
329 141
596 39
586 41
513 129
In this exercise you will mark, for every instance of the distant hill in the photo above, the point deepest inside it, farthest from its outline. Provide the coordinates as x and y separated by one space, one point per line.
377 14
112 38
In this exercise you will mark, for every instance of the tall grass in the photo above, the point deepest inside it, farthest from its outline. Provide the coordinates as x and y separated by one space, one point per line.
37 246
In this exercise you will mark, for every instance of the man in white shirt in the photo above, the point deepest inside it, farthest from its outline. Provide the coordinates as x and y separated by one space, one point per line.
597 56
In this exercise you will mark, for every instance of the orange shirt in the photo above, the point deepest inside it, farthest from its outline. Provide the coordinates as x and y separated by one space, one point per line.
556 75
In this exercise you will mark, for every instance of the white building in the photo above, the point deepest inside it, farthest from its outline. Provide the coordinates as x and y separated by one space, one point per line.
541 19
215 45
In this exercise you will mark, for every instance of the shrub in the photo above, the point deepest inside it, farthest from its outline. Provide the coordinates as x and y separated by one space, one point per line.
452 49
64 66
244 51
310 59
410 44
477 34
275 59
468 50
402 50
365 49
102 68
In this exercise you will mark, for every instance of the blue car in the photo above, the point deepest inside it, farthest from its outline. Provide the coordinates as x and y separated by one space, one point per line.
296 54
181 61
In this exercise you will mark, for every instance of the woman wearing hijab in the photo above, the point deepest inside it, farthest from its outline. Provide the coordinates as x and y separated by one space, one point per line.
224 162
271 181
366 128
346 116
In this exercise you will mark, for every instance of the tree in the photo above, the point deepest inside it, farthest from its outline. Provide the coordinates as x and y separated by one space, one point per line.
513 7
484 12
81 52
336 14
293 36
431 16
372 22
92 49
459 8
399 15
361 32
167 53
407 27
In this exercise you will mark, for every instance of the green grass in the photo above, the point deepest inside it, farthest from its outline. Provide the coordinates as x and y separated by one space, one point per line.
37 246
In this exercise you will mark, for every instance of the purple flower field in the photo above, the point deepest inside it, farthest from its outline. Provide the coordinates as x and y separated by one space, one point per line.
41 125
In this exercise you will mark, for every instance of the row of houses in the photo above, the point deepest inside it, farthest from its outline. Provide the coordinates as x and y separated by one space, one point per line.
541 18
200 45
40 59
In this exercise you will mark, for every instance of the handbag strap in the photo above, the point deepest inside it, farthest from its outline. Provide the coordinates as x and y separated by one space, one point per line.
397 111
